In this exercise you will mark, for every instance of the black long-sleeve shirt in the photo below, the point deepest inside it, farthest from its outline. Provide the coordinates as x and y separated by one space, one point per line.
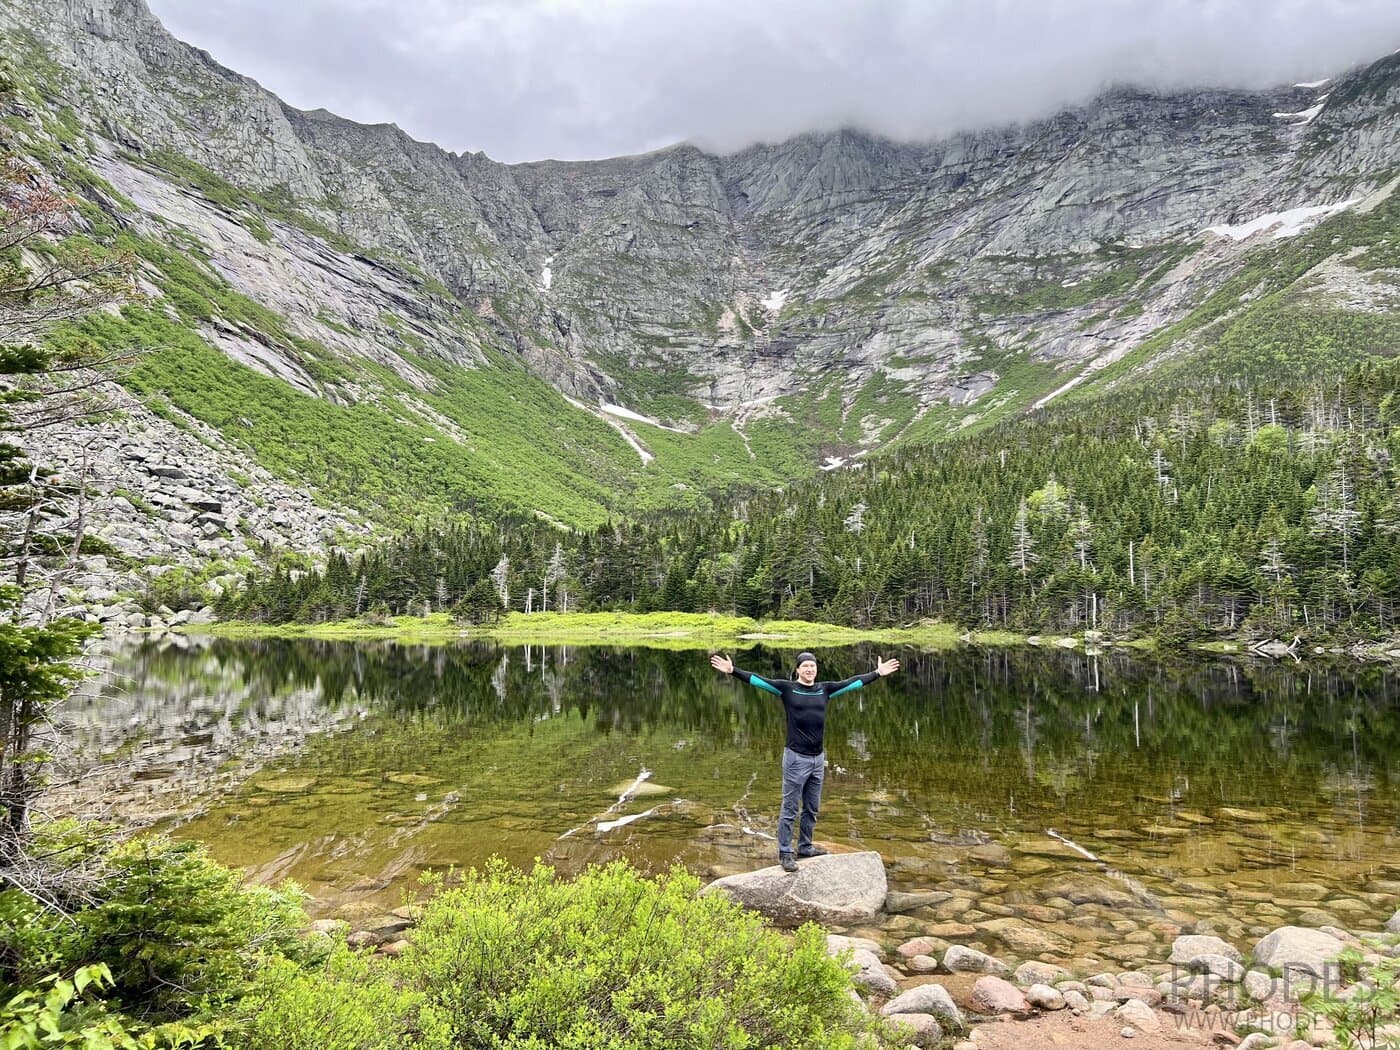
805 706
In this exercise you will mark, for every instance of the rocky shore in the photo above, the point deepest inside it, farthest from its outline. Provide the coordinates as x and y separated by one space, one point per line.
1203 990
1247 995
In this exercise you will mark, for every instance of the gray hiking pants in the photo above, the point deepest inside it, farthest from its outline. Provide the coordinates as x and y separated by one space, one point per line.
802 785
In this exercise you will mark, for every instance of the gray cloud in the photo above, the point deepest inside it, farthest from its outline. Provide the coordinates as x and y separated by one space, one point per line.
526 79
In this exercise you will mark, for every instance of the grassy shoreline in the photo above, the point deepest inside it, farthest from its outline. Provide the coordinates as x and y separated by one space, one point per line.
661 630
703 631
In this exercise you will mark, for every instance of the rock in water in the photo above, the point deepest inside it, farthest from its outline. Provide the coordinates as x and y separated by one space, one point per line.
1188 947
839 888
962 959
899 902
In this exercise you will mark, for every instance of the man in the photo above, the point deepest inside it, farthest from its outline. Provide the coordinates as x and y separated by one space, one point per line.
804 757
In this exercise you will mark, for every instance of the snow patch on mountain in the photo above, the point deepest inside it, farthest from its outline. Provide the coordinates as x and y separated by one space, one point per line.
1304 116
637 417
626 435
1289 223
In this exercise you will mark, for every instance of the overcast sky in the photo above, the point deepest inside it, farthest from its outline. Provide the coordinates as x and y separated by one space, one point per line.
527 79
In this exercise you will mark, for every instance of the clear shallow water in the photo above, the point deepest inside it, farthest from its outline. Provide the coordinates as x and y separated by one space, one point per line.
1241 795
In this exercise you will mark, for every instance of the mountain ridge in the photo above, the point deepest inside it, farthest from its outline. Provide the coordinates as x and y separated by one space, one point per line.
579 339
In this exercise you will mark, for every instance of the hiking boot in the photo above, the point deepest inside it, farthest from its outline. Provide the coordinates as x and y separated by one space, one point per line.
788 861
813 851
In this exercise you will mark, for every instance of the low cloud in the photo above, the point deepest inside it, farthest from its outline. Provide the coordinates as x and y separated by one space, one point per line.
527 79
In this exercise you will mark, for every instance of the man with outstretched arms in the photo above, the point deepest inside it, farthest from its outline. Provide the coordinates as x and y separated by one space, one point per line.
804 757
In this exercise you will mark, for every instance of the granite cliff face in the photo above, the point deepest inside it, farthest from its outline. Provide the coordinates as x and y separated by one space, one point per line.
841 290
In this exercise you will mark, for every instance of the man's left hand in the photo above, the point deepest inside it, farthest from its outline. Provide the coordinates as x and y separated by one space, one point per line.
887 667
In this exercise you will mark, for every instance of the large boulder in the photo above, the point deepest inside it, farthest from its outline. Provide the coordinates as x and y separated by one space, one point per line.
1392 925
1299 948
838 888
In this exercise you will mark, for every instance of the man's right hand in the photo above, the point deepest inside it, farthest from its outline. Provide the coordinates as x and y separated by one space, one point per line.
722 664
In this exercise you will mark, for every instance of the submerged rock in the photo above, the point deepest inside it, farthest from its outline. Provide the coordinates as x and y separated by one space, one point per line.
897 901
285 785
961 959
1189 948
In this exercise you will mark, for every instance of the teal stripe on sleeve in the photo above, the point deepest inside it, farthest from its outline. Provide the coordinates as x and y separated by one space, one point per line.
857 684
760 683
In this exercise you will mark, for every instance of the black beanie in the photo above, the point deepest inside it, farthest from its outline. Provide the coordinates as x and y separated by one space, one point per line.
802 658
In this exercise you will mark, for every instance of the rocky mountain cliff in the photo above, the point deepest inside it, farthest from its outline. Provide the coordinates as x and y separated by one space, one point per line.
578 339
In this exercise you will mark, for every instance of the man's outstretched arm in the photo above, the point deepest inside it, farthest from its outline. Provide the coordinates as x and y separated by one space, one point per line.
726 666
882 669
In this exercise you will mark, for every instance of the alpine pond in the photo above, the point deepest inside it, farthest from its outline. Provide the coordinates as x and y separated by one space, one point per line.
1040 803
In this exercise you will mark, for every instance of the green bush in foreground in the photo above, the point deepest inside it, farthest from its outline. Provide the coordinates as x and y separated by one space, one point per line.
71 1013
155 945
612 959
350 1002
178 934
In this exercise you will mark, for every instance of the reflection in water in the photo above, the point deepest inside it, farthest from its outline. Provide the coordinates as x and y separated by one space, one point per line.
1239 793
